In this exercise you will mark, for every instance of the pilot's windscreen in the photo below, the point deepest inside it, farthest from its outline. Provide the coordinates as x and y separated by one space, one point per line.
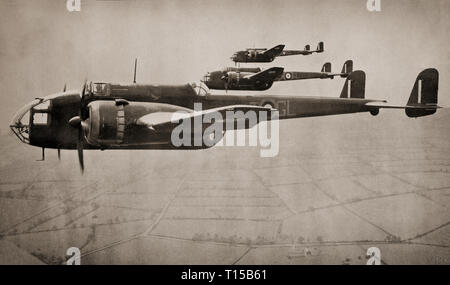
100 89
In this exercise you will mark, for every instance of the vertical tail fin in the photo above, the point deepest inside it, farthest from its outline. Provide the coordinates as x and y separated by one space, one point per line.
423 94
355 85
347 68
326 67
320 47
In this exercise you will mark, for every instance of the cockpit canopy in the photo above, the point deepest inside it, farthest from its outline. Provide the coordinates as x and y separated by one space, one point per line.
98 88
104 89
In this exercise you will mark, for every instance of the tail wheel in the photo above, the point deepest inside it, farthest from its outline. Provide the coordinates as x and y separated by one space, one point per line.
374 112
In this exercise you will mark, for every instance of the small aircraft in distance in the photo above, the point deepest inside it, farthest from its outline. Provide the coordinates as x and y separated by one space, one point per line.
140 116
268 55
245 78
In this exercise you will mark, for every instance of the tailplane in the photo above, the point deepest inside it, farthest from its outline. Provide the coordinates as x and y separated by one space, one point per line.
423 99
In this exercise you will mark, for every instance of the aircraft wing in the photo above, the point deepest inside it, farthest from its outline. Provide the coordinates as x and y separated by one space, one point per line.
169 120
273 52
266 75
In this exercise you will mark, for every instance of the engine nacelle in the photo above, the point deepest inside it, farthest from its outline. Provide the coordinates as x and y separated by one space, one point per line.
112 123
234 77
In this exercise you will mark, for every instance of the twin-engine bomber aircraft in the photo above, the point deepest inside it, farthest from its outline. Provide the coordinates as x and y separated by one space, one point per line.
268 55
247 78
112 116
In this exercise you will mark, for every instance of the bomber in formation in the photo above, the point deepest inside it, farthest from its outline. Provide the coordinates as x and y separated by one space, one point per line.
141 116
244 78
268 55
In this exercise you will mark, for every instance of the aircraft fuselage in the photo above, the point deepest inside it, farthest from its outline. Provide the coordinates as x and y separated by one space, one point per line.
55 131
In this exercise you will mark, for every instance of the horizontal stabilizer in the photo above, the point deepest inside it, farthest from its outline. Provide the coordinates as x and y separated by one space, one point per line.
423 98
385 105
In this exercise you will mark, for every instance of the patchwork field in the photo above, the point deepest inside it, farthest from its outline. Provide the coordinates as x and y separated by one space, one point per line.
340 185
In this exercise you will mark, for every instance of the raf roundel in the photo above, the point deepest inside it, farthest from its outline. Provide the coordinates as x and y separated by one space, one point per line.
288 75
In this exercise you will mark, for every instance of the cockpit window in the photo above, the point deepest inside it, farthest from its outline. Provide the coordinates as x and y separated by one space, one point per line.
100 89
41 112
40 118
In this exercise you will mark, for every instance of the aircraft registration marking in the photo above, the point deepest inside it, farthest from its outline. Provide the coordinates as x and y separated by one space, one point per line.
284 108
349 89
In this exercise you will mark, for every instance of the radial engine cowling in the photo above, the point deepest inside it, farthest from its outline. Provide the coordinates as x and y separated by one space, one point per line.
233 77
113 123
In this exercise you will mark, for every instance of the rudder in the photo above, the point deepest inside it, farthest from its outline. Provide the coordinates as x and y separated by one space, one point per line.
326 67
424 93
320 47
355 85
347 68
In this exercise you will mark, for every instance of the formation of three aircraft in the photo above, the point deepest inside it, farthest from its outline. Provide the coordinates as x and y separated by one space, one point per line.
104 115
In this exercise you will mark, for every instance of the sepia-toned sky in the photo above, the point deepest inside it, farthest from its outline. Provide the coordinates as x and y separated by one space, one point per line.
43 46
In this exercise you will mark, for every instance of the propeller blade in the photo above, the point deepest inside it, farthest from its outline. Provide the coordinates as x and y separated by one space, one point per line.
83 111
64 89
59 154
84 89
80 149
225 78
228 80
77 122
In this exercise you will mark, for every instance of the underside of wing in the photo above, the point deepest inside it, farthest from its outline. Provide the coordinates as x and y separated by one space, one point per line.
168 120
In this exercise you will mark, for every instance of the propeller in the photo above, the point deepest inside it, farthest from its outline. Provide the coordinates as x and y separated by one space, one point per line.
227 80
77 122
80 149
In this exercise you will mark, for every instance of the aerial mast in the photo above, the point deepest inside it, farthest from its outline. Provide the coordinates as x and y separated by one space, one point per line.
135 65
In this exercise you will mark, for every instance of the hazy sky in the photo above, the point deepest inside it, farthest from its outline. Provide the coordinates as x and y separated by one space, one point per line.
43 46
